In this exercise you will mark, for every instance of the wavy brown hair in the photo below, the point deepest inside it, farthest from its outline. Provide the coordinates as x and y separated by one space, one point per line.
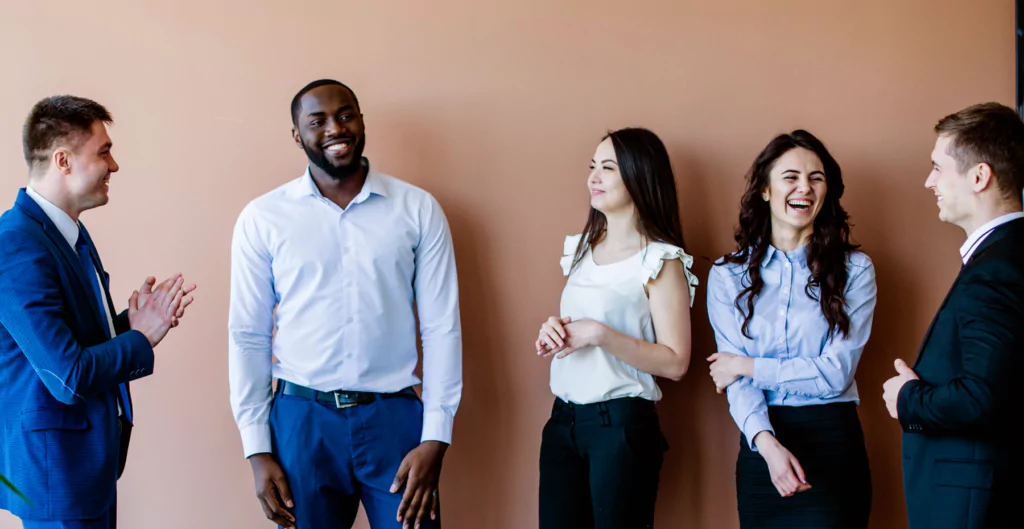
827 251
647 174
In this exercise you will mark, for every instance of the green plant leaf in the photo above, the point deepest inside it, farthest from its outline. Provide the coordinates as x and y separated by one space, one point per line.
10 485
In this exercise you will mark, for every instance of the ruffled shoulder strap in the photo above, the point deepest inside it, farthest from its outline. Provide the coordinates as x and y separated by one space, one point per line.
654 259
569 252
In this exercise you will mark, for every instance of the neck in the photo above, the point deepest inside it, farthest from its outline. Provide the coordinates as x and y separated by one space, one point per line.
46 186
620 230
986 214
341 191
787 238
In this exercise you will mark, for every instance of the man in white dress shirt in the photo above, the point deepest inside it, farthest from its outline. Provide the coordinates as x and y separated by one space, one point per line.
334 262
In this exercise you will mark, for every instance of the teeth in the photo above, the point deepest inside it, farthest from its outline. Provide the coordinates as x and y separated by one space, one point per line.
338 147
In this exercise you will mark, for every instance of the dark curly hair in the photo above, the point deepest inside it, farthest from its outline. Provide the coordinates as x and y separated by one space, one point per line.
829 246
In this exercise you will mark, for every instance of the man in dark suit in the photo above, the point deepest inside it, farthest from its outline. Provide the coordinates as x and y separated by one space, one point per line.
957 405
66 355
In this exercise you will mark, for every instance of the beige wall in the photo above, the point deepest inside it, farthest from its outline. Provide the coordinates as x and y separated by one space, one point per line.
496 110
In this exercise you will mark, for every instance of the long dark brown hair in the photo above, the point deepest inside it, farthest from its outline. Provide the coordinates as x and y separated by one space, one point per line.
827 251
647 174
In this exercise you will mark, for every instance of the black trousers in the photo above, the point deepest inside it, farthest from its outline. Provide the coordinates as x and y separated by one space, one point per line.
599 465
828 442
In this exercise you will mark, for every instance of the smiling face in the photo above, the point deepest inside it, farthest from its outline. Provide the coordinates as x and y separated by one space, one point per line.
330 129
953 188
608 193
86 168
796 192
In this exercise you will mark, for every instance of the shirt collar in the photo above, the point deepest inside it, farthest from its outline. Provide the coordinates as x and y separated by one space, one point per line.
374 185
797 257
67 227
972 242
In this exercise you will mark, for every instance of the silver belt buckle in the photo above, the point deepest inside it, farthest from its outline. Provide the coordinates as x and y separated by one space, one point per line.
337 402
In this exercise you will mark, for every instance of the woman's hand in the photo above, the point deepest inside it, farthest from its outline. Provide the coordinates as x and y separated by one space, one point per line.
727 368
562 337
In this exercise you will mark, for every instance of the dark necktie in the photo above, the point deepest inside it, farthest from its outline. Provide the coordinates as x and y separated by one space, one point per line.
84 250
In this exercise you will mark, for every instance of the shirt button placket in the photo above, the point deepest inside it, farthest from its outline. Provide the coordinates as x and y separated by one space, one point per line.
784 287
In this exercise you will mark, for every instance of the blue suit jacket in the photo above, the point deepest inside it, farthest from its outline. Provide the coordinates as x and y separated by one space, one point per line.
61 440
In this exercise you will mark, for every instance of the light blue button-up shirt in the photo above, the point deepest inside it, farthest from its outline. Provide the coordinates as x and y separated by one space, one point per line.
329 293
795 362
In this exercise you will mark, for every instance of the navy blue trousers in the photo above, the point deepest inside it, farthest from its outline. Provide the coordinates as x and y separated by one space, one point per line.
336 458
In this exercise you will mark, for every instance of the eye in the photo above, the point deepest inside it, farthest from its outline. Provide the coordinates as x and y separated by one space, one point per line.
346 117
606 168
316 123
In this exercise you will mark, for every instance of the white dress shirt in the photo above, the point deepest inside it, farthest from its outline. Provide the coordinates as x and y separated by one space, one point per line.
974 241
338 287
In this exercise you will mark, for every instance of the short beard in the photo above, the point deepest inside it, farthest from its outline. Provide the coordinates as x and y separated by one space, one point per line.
319 159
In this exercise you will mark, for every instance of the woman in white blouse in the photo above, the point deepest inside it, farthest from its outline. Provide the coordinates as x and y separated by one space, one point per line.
625 319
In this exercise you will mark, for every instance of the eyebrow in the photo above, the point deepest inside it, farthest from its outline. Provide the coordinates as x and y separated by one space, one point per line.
822 173
606 161
323 113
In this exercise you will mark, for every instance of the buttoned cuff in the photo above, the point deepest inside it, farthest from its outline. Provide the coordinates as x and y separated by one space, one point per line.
256 439
756 423
437 426
908 421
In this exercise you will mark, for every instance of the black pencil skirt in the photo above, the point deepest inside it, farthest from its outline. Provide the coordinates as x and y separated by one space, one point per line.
828 442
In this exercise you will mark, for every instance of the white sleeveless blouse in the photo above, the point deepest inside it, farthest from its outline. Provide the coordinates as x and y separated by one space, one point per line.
614 295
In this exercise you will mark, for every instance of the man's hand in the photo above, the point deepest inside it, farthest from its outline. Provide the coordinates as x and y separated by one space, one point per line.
146 290
420 472
272 489
727 368
891 388
154 318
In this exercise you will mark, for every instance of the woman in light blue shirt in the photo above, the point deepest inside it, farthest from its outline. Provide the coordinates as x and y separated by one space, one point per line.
792 310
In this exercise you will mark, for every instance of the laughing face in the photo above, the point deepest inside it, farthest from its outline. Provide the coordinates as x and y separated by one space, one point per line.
330 130
796 191
88 168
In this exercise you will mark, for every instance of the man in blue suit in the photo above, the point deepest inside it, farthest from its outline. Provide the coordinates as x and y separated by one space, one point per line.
66 356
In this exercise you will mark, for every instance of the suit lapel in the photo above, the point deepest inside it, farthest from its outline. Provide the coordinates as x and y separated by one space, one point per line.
931 326
71 260
998 234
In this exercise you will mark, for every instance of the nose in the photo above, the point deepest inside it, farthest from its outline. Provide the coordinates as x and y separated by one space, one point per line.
929 182
332 128
594 177
113 167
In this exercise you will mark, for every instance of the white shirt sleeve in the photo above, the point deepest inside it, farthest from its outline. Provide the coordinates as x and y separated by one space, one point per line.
437 300
250 329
